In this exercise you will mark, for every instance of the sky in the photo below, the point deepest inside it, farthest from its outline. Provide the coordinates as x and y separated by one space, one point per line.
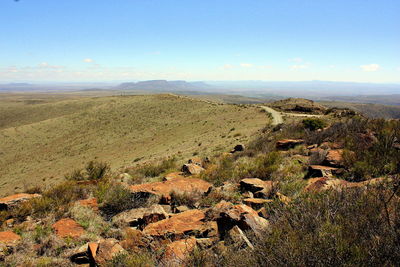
271 40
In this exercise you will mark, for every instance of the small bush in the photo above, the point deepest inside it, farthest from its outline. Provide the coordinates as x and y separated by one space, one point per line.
94 170
154 170
115 198
313 124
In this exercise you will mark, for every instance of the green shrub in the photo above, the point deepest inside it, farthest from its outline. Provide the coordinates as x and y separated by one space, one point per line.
348 228
94 170
115 198
149 170
313 124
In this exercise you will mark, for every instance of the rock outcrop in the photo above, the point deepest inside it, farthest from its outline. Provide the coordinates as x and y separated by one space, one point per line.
14 200
140 217
68 228
192 169
178 185
288 143
190 222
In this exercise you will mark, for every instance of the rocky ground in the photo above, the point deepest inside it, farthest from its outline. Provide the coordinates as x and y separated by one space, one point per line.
211 211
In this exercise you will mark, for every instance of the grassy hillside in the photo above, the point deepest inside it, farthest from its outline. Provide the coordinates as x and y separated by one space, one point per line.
43 140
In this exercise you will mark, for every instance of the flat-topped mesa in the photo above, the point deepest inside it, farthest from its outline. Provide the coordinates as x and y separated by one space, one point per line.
14 200
179 185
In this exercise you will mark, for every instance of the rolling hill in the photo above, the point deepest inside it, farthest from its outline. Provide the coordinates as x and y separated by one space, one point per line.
42 139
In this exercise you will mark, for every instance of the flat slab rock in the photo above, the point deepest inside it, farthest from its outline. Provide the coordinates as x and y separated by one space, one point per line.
288 143
179 185
255 184
140 216
68 228
9 238
187 222
90 202
13 200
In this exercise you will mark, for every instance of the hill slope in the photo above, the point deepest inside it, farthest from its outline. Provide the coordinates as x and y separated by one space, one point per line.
42 142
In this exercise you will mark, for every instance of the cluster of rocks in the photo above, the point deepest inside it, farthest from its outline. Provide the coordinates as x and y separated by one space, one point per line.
178 230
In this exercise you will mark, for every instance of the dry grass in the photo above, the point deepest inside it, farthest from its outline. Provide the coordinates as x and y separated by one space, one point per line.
43 140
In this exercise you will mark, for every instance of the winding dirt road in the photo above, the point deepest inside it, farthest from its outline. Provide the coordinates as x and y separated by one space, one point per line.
277 117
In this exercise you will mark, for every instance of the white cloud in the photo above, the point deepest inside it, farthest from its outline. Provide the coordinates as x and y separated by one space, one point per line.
296 59
265 67
299 67
45 65
227 67
370 67
88 60
246 65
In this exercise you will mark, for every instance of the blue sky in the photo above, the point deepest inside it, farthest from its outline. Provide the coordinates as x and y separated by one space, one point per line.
122 40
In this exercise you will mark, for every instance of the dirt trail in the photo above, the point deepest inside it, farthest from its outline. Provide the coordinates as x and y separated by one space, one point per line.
277 116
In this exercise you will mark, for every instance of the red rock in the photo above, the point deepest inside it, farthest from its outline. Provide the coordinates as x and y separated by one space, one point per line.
173 175
9 238
325 183
244 217
288 143
105 250
178 251
178 225
90 202
254 185
196 160
256 203
192 169
68 228
178 185
13 200
92 248
320 171
334 158
140 217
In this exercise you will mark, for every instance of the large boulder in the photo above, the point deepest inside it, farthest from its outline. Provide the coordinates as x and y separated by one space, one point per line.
178 185
334 158
288 143
192 169
261 188
140 217
241 215
103 251
190 222
68 228
14 200
320 171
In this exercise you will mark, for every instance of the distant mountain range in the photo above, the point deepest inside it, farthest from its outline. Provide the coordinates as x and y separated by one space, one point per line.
163 85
